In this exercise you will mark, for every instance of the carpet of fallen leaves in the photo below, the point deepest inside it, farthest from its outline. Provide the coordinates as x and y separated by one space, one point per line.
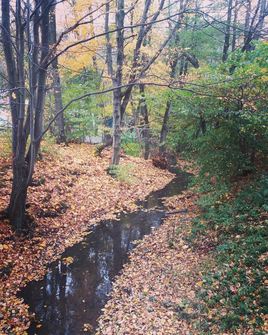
155 294
71 192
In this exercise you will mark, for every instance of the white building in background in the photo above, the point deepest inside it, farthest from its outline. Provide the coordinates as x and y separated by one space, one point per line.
5 116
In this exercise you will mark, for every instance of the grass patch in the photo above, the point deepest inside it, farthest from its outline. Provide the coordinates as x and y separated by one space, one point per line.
123 173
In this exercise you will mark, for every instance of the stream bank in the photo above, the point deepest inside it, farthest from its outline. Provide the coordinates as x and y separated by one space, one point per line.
71 193
69 299
156 292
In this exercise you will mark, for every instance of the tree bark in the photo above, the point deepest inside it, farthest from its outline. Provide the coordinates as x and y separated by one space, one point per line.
146 127
17 204
235 26
227 31
13 45
117 82
164 129
11 69
60 123
116 127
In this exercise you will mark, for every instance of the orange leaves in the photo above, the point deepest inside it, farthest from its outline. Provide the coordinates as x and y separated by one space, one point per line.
4 247
87 327
71 192
156 292
68 260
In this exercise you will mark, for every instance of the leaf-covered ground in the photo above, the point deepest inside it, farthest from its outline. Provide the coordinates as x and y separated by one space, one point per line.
71 192
155 294
161 290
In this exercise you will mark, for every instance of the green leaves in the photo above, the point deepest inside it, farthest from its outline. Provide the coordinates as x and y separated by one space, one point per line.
84 117
222 121
235 288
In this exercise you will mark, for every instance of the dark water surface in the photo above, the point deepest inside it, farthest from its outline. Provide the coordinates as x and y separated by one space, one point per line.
70 296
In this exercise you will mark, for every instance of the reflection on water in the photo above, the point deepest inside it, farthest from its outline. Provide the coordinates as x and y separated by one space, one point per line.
72 295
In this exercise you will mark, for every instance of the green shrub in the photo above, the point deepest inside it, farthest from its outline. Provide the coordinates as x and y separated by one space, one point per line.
132 149
225 126
130 144
235 288
123 173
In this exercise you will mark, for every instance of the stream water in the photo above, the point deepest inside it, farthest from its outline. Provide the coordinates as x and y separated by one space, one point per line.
70 296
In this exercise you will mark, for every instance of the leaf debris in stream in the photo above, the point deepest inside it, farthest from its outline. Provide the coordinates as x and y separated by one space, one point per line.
155 294
75 193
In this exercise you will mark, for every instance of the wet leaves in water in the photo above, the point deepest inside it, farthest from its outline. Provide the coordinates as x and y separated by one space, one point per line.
73 191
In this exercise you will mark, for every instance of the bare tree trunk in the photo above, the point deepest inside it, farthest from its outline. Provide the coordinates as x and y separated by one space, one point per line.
16 208
146 127
263 13
117 95
247 33
227 31
235 26
60 124
14 44
17 204
164 129
175 57
254 22
116 127
11 70
247 20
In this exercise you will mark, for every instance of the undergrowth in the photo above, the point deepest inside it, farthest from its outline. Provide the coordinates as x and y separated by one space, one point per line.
49 147
123 173
132 149
234 293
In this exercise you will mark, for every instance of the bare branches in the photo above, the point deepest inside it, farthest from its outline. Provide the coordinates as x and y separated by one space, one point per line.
111 31
78 23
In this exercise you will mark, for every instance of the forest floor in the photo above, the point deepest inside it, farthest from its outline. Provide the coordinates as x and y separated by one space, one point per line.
155 294
159 291
72 191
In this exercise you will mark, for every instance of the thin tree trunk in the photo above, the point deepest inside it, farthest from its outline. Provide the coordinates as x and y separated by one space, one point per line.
247 33
227 31
116 127
262 15
146 127
164 129
60 124
11 69
183 70
235 26
117 95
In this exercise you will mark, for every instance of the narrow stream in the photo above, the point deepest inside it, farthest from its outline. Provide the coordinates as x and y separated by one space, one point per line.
70 296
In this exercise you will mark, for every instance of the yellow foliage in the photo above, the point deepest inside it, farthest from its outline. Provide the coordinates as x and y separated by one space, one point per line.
81 55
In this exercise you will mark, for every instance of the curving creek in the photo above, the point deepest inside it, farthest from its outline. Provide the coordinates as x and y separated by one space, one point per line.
70 296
